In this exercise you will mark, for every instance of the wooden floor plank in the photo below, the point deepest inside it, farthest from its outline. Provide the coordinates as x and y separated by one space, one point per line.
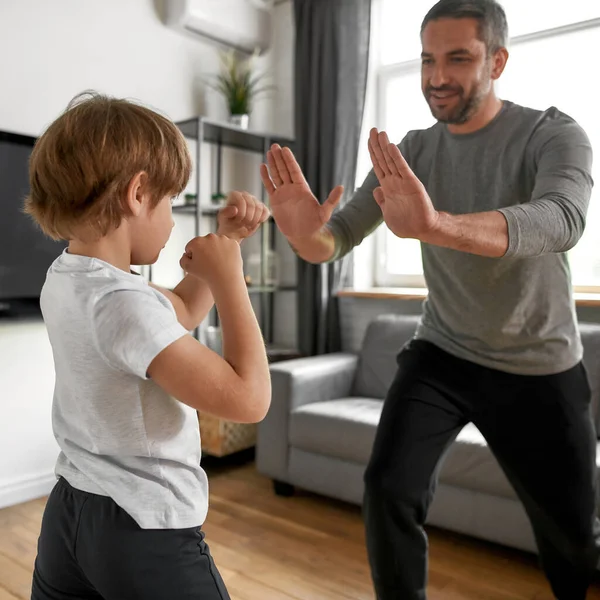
14 578
6 595
242 587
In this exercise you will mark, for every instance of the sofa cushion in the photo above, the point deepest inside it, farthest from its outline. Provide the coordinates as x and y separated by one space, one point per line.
343 428
470 464
384 338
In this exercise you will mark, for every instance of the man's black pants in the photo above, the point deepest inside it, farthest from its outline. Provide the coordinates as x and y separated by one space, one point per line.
541 432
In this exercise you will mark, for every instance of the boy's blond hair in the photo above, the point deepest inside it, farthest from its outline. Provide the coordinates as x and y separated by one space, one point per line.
81 166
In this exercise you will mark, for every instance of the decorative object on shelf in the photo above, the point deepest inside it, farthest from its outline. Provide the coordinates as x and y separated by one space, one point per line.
239 84
219 199
241 121
190 199
254 266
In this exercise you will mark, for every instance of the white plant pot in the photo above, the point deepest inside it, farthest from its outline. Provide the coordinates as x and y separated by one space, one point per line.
240 121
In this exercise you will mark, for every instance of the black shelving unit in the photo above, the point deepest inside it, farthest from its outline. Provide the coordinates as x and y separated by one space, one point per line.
223 135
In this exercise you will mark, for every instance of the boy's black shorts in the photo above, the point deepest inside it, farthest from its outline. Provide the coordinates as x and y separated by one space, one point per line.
90 548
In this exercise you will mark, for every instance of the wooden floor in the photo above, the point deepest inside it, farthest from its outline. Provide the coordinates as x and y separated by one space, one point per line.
301 548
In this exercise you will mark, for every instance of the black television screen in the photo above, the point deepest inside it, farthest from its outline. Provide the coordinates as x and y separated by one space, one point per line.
25 252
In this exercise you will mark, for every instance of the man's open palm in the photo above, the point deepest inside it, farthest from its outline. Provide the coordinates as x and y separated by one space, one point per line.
294 207
407 208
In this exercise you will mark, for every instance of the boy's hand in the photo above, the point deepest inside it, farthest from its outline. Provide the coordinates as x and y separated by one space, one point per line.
242 216
213 258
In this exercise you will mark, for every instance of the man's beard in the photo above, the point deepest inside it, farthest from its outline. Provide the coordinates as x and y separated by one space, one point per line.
465 107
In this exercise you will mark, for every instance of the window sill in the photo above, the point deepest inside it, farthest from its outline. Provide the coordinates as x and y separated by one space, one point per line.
581 298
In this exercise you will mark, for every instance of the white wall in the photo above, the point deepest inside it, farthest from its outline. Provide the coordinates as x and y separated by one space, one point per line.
50 51
27 447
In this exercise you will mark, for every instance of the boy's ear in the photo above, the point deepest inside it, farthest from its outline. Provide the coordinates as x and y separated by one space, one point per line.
136 193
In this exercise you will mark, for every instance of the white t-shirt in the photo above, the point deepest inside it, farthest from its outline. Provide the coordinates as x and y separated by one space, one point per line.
120 434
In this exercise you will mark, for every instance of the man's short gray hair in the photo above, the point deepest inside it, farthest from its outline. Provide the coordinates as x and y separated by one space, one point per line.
493 27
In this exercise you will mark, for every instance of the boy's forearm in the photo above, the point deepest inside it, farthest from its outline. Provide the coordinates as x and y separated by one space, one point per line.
191 299
243 344
316 249
196 297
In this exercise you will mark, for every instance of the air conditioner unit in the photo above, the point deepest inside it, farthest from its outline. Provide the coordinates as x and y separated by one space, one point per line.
244 25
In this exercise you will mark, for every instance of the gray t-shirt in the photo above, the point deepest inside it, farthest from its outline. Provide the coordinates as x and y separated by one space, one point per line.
515 314
119 433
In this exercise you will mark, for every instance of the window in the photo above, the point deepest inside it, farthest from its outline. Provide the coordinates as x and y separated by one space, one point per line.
550 65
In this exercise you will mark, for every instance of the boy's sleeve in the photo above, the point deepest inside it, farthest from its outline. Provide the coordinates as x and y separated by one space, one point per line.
132 327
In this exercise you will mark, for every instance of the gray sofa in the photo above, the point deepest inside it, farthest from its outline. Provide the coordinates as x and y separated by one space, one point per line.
321 425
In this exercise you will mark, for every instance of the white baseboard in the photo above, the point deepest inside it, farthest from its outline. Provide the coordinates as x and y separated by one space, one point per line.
26 488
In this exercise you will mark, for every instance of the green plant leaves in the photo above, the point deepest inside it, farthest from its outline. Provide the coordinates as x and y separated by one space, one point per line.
238 83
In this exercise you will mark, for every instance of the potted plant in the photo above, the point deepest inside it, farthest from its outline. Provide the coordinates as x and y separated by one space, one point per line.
239 85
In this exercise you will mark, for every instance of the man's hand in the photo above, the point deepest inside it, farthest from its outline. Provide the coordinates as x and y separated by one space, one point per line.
295 208
241 217
407 208
409 213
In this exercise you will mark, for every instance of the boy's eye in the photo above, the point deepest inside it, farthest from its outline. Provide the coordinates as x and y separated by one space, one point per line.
173 198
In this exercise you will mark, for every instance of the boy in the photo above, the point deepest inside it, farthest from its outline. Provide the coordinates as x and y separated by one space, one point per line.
123 521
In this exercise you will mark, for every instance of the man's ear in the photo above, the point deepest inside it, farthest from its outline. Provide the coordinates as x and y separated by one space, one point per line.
499 61
137 192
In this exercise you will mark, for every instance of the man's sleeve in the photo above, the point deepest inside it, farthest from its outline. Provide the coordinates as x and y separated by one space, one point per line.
554 219
132 327
361 215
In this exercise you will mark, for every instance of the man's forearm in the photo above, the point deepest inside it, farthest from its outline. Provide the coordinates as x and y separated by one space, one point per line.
484 234
316 249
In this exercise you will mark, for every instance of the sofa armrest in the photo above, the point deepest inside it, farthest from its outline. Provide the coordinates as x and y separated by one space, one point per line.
295 383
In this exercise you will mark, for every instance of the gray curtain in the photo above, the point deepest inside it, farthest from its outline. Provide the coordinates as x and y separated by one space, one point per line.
332 55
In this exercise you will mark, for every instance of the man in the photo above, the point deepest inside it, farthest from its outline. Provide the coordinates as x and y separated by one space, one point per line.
496 193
